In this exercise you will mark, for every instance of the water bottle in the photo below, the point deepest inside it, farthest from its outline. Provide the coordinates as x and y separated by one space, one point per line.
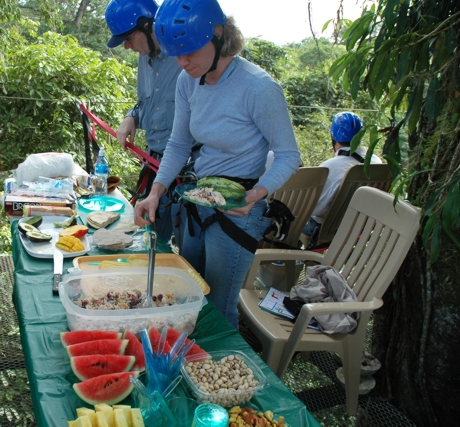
101 172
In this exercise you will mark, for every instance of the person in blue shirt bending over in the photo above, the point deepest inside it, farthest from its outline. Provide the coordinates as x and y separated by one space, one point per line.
239 113
131 23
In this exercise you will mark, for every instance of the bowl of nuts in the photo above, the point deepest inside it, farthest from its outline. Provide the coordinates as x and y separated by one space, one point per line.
227 378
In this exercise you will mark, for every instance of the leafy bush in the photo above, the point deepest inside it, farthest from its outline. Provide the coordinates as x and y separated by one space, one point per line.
42 81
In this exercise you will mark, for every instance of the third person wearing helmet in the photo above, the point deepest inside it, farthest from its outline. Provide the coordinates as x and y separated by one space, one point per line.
343 128
131 23
239 113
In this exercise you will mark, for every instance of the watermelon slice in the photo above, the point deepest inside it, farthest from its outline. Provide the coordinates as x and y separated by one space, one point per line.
76 337
93 365
196 351
110 346
134 348
109 388
154 336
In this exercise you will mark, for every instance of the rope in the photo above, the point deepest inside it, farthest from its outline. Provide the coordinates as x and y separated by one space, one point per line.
130 102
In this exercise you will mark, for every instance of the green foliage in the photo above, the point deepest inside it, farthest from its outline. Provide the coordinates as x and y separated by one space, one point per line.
10 11
41 82
310 54
266 55
405 54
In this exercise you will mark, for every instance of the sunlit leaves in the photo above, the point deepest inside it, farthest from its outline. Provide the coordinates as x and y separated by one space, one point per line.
413 70
360 28
42 81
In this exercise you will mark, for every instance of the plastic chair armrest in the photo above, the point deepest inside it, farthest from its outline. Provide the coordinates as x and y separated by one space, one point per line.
316 309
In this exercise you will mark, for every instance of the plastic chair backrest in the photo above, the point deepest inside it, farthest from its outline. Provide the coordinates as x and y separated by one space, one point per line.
300 193
372 241
379 177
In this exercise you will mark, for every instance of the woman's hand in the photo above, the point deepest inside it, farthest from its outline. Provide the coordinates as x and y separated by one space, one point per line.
148 206
126 129
252 196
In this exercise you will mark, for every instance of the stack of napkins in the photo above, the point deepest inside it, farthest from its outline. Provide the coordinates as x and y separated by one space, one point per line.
111 239
101 219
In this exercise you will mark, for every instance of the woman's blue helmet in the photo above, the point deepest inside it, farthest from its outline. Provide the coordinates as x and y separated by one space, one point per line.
345 126
185 26
122 16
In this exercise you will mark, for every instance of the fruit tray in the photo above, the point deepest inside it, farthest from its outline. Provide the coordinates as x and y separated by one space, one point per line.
90 264
46 249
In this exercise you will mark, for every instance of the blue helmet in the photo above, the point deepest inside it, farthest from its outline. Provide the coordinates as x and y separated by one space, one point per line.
345 126
122 15
185 26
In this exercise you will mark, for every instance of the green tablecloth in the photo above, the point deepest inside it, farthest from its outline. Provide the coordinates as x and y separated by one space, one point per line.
42 317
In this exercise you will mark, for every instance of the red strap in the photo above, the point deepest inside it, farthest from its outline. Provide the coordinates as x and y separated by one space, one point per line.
144 158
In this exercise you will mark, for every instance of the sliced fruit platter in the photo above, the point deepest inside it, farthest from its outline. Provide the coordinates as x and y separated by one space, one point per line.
41 235
104 361
104 415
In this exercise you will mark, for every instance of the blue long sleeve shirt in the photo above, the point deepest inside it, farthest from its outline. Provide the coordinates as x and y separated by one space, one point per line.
238 121
156 88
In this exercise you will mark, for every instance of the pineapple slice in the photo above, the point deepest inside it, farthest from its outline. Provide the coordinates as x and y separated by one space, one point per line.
136 418
119 418
82 421
102 407
91 413
101 419
127 411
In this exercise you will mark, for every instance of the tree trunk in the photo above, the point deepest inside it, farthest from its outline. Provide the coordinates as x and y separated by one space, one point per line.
81 12
417 337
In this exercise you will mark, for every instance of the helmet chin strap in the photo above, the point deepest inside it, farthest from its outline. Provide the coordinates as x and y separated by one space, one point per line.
218 43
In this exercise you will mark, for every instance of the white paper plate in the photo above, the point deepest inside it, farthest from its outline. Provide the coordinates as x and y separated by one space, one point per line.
46 249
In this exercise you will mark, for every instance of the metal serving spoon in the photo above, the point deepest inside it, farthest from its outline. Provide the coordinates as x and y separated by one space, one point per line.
151 269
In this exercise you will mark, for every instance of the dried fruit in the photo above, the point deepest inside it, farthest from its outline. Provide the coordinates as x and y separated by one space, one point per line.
247 416
70 244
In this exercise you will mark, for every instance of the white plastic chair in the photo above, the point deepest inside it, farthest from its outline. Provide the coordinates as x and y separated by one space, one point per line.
379 177
368 249
300 194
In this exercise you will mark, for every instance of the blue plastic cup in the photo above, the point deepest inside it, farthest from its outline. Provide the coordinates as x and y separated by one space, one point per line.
183 410
210 415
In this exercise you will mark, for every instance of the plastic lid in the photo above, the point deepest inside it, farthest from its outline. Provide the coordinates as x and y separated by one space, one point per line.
101 203
101 151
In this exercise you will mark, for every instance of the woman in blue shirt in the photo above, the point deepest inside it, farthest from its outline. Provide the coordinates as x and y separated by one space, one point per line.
239 113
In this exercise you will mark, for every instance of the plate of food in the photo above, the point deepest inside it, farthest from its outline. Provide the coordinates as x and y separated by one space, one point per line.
39 235
214 192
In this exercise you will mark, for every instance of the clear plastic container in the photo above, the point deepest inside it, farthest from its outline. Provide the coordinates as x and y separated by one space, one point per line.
105 284
228 398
